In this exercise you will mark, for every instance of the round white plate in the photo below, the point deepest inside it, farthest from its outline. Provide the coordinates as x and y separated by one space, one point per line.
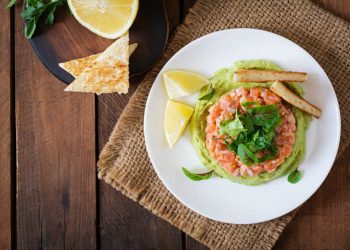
220 199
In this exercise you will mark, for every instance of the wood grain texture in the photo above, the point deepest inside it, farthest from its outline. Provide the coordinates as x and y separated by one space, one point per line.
5 131
56 173
56 178
340 8
173 13
187 4
124 224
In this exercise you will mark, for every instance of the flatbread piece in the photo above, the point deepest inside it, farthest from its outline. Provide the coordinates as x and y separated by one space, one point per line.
76 66
109 73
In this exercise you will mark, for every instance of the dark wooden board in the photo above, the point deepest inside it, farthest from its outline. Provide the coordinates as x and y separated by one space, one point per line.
67 40
56 162
5 132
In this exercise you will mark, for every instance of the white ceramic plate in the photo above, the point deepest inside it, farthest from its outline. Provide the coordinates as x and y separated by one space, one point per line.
220 199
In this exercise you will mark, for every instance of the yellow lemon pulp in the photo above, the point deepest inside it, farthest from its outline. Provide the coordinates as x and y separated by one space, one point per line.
106 18
180 83
176 119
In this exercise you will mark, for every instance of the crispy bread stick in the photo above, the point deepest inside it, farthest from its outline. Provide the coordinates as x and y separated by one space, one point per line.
256 75
294 99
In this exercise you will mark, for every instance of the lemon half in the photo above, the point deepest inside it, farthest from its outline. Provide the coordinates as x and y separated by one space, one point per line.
180 83
176 119
107 18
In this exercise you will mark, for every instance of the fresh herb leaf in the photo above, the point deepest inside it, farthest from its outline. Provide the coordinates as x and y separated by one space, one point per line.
210 93
264 109
10 4
231 146
197 177
232 128
265 116
30 29
252 133
248 123
50 17
249 104
256 135
36 10
294 176
245 155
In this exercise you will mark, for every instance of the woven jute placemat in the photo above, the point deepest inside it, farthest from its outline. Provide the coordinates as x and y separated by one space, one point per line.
124 162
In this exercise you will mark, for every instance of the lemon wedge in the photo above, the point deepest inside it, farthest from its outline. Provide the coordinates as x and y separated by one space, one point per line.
176 118
106 18
180 83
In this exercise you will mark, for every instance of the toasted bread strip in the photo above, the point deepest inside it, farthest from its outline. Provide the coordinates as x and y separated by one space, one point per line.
294 99
256 75
76 66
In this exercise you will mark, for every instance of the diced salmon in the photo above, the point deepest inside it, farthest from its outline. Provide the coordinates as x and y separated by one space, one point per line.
225 108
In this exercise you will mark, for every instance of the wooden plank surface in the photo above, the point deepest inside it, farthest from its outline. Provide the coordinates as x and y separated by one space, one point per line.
56 163
5 131
124 224
56 152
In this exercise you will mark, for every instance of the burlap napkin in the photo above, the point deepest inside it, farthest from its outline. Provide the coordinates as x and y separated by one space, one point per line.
124 162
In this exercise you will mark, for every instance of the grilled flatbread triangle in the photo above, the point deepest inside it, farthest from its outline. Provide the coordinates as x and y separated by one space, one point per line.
108 73
76 66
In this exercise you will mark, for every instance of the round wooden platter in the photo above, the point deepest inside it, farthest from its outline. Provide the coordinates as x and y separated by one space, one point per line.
66 40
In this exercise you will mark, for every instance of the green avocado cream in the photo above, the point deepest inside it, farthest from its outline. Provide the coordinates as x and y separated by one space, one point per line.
222 82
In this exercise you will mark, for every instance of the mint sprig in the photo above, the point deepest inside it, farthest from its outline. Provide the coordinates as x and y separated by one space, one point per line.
36 10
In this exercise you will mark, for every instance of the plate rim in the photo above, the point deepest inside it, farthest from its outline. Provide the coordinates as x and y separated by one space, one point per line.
332 158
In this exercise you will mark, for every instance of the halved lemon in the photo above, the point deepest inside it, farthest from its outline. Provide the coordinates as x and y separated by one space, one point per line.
176 118
180 83
106 18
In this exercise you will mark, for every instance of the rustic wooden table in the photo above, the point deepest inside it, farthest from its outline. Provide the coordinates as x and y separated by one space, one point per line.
50 141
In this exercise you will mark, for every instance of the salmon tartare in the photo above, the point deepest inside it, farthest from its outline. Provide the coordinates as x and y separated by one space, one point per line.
226 109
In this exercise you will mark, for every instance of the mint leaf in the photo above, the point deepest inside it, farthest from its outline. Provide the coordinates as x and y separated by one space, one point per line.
265 116
10 4
38 10
246 155
249 104
197 177
294 176
232 128
50 15
247 121
30 28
